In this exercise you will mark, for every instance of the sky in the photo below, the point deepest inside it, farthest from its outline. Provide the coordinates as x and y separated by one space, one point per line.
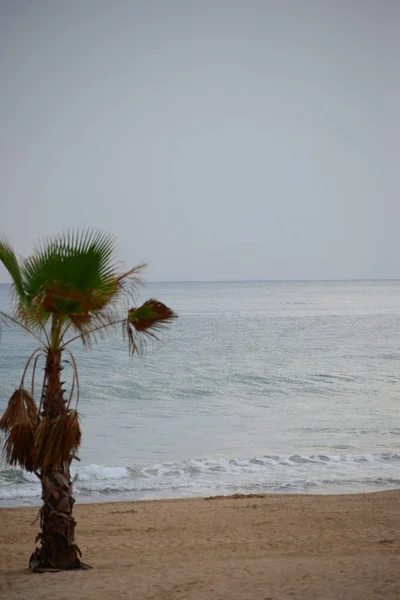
217 139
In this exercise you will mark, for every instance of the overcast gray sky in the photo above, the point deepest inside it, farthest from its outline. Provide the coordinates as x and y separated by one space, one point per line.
221 139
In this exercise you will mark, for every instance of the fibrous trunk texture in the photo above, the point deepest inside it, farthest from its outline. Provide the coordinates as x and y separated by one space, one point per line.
57 550
57 537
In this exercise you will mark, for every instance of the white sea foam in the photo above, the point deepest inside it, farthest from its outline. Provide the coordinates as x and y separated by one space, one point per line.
100 473
318 473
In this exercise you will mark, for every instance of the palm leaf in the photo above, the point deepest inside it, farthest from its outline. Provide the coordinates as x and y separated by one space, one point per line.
19 422
72 274
23 314
18 446
21 409
56 441
10 261
145 321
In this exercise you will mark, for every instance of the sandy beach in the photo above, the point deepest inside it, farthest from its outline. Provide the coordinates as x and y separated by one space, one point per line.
246 547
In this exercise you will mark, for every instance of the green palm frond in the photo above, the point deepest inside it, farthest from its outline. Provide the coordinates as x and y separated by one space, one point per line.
145 321
72 274
10 261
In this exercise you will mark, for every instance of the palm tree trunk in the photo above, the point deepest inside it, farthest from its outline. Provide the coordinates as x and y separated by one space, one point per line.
57 537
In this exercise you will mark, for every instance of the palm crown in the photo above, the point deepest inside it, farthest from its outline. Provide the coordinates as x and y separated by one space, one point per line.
72 284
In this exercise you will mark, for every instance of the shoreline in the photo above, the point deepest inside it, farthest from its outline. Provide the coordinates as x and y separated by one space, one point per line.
121 498
252 546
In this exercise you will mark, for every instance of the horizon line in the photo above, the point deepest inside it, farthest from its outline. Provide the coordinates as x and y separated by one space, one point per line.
329 280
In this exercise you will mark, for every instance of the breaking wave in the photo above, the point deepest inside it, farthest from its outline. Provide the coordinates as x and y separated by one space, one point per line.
315 473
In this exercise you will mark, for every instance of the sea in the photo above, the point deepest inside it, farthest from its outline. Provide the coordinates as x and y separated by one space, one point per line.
258 387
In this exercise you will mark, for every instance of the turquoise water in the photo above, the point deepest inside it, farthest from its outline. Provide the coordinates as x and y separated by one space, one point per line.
271 387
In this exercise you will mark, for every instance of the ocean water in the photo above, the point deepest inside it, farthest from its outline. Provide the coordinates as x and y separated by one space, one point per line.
258 387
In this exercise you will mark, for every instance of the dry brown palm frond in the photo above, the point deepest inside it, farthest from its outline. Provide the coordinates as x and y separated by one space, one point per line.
21 409
15 412
19 422
56 440
18 445
31 407
67 435
40 440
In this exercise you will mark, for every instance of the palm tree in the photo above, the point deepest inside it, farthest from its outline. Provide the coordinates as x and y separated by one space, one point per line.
69 289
